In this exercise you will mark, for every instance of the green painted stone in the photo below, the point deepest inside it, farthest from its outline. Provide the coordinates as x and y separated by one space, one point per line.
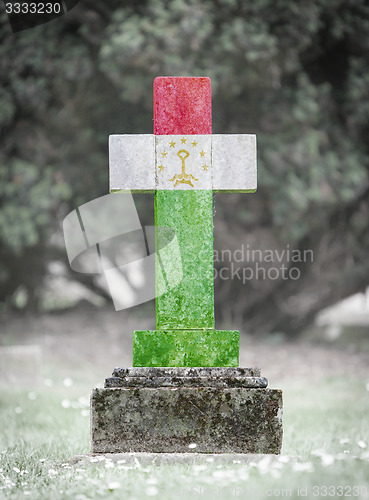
186 348
191 303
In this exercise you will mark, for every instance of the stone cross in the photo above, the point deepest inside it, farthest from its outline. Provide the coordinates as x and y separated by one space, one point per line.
183 163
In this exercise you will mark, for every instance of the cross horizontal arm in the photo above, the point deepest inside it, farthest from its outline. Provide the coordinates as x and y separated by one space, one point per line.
132 163
234 162
218 162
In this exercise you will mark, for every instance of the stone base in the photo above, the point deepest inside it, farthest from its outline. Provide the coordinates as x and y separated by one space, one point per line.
230 412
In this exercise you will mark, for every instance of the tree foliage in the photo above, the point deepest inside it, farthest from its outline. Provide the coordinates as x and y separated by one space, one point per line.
294 73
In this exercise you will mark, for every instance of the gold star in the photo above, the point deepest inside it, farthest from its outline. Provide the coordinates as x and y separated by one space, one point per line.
172 144
161 168
183 140
205 167
194 143
202 154
164 154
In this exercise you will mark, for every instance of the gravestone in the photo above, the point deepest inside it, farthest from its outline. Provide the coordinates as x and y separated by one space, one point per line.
185 387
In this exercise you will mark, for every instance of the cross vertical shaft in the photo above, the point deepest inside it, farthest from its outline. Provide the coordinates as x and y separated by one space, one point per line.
185 334
182 106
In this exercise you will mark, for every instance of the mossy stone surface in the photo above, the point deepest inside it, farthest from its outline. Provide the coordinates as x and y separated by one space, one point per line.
187 371
168 420
186 348
191 303
154 382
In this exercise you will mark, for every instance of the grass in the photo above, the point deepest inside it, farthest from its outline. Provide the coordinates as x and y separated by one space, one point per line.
325 451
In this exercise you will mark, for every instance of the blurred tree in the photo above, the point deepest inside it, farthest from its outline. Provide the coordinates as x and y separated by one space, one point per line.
296 74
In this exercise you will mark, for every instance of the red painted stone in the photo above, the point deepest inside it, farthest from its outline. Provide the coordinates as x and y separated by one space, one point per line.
182 105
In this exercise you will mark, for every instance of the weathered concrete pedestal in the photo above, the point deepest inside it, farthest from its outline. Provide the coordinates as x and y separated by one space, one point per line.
164 410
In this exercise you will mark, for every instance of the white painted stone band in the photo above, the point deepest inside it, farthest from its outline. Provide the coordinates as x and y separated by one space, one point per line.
145 162
131 162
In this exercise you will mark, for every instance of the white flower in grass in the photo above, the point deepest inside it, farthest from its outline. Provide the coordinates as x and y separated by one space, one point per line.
152 491
367 386
210 459
225 474
361 444
152 480
67 382
42 460
15 469
32 396
192 446
84 402
284 459
277 465
264 464
65 403
344 440
275 473
341 456
85 413
26 492
206 479
327 460
52 472
199 467
8 483
218 473
303 467
109 465
121 461
94 459
48 382
243 474
318 453
114 485
124 467
18 410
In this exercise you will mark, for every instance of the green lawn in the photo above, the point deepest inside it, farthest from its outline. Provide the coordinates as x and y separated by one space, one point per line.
325 451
